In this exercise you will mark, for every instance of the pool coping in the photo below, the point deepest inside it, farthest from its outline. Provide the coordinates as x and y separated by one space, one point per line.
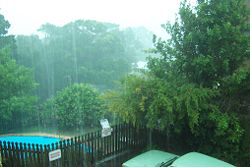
37 134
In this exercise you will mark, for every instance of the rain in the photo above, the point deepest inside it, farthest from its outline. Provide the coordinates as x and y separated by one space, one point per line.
109 83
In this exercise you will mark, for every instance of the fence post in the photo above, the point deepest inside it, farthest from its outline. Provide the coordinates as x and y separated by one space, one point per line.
38 152
99 145
42 155
34 156
30 155
17 154
62 154
46 156
5 153
10 157
69 153
26 154
51 163
1 154
91 151
22 162
59 160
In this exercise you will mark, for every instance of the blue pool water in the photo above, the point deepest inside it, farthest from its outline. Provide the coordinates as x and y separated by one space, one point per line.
43 140
30 139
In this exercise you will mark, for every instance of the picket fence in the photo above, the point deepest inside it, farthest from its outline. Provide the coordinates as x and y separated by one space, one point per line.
82 151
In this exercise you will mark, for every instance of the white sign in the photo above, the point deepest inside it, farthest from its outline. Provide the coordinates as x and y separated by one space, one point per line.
104 123
54 155
106 132
106 129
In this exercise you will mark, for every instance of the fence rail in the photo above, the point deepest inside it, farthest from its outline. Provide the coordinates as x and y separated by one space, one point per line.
86 150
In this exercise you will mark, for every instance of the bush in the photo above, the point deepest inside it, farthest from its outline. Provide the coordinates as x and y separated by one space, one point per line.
74 107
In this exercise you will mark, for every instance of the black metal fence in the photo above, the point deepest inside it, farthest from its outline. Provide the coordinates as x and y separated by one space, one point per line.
81 151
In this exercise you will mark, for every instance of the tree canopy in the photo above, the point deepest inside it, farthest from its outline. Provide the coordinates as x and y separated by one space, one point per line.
6 41
16 83
208 42
193 89
83 51
76 106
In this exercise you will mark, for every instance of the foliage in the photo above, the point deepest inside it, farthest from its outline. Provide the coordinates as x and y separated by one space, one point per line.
5 25
16 88
184 109
236 92
31 54
208 43
16 84
83 51
208 48
158 103
76 106
195 89
6 41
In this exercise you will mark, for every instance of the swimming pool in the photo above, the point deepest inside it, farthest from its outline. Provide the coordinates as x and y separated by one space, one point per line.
44 140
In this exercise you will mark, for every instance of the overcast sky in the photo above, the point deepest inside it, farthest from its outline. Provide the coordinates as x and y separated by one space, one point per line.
26 16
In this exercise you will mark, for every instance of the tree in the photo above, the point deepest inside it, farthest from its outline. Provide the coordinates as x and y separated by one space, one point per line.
185 90
179 108
31 54
83 51
16 92
17 84
76 106
6 41
209 47
209 42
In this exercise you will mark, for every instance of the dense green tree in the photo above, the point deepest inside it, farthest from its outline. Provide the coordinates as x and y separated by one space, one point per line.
209 48
208 43
5 25
6 41
17 84
16 88
195 89
182 109
76 106
82 51
31 53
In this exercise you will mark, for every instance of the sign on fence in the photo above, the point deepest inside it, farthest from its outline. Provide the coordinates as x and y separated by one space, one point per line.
106 129
106 132
54 155
81 151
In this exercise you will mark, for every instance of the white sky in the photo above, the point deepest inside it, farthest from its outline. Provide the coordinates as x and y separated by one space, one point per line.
26 16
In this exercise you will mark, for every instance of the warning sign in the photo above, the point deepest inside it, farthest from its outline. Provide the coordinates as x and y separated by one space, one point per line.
54 155
106 129
106 132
